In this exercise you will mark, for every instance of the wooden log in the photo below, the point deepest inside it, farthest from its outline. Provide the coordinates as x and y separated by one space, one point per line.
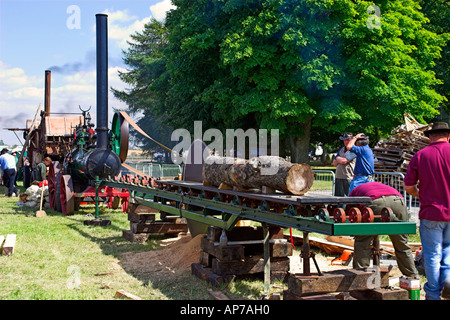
8 245
265 171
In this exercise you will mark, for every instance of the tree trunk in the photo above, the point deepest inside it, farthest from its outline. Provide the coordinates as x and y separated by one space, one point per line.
300 144
269 171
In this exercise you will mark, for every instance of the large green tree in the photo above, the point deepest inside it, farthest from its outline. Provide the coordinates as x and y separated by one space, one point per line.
438 11
147 84
298 66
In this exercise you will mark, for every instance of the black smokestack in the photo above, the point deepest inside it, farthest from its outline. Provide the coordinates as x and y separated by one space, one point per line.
102 80
48 77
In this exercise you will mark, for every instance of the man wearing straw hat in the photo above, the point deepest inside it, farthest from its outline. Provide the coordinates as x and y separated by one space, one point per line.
428 177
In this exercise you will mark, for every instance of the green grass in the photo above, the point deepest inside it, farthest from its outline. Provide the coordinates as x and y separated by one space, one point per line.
54 252
57 257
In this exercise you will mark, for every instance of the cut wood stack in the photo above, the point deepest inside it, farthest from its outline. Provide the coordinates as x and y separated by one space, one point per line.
242 255
143 223
393 153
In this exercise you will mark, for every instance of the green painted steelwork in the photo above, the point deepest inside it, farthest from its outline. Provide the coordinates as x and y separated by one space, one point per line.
225 215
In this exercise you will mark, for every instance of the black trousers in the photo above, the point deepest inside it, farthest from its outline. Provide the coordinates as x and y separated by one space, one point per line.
9 177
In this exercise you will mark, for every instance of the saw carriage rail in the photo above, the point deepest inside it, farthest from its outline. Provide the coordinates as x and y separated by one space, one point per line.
224 208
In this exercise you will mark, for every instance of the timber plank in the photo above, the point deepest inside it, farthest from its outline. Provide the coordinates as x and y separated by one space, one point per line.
381 294
9 244
250 265
336 281
207 274
141 217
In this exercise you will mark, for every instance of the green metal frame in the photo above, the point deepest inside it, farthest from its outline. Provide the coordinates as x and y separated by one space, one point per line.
226 215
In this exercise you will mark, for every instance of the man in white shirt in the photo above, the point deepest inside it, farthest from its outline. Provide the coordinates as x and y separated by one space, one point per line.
8 165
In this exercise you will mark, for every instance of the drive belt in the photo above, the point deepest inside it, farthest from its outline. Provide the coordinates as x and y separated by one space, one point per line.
138 129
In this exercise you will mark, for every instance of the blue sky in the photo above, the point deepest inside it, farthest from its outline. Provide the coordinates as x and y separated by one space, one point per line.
60 36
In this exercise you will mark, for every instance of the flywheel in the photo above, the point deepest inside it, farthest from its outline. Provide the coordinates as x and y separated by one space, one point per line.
120 136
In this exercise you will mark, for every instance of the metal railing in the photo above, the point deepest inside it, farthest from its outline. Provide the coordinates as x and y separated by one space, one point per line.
324 181
324 184
396 180
156 170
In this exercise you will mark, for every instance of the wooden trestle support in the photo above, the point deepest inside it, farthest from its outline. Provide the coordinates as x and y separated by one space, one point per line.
220 209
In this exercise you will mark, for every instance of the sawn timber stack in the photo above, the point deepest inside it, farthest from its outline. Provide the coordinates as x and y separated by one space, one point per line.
393 153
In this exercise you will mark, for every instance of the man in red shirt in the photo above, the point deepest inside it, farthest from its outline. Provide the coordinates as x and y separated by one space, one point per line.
384 196
430 167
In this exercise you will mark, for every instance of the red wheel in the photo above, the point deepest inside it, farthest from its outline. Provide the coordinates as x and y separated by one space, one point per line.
367 215
387 215
354 215
124 204
339 215
67 195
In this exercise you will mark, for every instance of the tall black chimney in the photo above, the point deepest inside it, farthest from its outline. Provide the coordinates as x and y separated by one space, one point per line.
48 77
102 80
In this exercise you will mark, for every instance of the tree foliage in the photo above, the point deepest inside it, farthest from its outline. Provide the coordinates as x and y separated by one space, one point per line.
300 66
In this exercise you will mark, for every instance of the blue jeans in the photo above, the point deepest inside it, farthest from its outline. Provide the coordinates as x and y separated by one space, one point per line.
435 237
358 180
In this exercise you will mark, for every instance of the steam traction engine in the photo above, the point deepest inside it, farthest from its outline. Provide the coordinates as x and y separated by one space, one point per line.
94 155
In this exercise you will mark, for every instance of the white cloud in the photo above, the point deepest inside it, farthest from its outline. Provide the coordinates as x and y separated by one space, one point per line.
159 10
121 25
20 98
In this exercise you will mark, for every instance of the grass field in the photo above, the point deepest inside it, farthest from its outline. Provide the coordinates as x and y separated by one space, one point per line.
59 258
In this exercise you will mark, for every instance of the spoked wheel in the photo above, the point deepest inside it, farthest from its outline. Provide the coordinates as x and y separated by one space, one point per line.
54 180
67 195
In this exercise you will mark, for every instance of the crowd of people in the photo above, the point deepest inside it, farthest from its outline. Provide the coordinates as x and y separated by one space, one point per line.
9 172
428 178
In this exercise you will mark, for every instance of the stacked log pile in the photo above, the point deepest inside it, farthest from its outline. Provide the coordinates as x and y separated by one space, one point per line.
143 223
242 255
394 153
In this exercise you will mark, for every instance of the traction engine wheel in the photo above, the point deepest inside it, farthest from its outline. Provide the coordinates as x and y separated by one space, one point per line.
54 180
67 195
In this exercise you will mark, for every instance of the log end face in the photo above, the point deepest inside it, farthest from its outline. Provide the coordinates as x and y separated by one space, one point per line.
300 179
